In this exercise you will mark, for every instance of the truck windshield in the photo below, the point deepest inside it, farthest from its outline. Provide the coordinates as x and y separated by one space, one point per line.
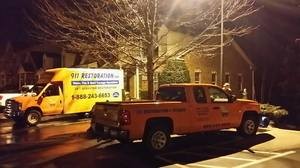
37 88
171 94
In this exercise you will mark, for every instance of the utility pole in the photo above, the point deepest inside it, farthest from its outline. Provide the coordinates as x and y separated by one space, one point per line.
222 41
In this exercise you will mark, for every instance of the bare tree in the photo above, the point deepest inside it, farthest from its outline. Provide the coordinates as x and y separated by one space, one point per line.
127 31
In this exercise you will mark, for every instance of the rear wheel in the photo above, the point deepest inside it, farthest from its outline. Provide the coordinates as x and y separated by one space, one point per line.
156 139
249 125
32 117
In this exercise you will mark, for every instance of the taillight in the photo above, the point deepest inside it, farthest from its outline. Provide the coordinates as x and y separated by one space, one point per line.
124 117
1 97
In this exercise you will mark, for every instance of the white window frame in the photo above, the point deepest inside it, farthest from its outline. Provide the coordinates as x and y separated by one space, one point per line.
214 77
240 81
198 71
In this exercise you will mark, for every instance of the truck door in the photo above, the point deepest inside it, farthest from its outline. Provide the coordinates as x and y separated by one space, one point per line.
221 107
201 112
51 100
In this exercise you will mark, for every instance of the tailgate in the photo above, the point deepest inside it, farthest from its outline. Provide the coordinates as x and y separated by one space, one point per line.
106 114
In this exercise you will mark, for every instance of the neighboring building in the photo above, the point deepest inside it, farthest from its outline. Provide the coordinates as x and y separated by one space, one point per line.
8 70
238 70
22 65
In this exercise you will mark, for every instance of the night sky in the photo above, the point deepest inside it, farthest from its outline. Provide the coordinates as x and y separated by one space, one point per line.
279 22
12 21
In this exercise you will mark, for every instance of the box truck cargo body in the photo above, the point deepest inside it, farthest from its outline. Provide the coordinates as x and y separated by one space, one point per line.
66 91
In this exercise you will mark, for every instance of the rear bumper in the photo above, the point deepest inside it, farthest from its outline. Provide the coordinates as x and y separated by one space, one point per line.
105 132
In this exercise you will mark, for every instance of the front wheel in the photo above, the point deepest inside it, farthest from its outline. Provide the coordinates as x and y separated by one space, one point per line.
249 125
32 117
157 139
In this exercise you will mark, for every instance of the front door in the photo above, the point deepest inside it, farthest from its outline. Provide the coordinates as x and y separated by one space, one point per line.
221 107
51 100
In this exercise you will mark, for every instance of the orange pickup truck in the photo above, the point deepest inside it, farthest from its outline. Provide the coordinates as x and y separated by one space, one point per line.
178 109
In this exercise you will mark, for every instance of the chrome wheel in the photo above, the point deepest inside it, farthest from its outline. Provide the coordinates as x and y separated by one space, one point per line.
33 118
249 127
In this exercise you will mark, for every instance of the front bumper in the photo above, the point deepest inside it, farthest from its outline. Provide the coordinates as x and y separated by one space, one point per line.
105 132
12 110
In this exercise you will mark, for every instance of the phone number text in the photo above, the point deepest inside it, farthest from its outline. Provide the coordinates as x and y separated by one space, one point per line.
90 96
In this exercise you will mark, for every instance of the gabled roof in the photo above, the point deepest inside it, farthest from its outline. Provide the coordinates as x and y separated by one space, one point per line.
242 53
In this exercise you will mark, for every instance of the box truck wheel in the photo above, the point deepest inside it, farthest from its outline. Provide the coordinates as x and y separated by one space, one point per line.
32 117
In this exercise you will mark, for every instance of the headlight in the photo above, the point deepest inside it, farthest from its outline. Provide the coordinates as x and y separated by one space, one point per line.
20 106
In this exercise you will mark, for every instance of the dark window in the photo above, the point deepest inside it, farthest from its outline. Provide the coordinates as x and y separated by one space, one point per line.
37 88
214 78
172 94
227 78
52 90
199 95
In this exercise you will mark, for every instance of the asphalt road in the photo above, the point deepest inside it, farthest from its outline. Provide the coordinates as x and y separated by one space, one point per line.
61 142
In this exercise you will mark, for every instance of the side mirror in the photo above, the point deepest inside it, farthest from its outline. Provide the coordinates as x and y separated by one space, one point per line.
157 96
232 98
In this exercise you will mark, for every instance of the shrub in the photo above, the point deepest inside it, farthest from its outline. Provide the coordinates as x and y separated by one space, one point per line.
175 71
272 111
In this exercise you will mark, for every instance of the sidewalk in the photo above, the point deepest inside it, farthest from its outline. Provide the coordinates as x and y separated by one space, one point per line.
285 139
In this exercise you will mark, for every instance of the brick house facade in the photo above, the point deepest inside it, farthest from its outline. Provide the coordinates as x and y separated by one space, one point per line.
238 70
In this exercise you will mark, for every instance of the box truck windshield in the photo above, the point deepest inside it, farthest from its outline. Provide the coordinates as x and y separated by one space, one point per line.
37 88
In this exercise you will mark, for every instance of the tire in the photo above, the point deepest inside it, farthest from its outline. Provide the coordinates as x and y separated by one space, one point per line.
32 117
156 139
249 125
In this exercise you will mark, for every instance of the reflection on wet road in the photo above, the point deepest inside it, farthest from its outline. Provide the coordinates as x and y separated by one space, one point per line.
11 133
52 138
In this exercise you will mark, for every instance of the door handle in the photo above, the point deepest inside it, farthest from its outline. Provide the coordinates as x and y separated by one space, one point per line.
216 108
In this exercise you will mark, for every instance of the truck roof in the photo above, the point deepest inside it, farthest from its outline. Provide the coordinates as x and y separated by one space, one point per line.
188 84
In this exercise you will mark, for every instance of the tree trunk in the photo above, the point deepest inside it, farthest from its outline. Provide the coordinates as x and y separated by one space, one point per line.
150 84
150 71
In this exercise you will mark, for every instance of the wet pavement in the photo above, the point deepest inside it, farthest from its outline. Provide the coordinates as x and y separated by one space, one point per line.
62 142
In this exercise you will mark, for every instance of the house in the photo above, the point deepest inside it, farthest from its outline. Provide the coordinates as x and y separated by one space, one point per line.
22 65
238 70
8 70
